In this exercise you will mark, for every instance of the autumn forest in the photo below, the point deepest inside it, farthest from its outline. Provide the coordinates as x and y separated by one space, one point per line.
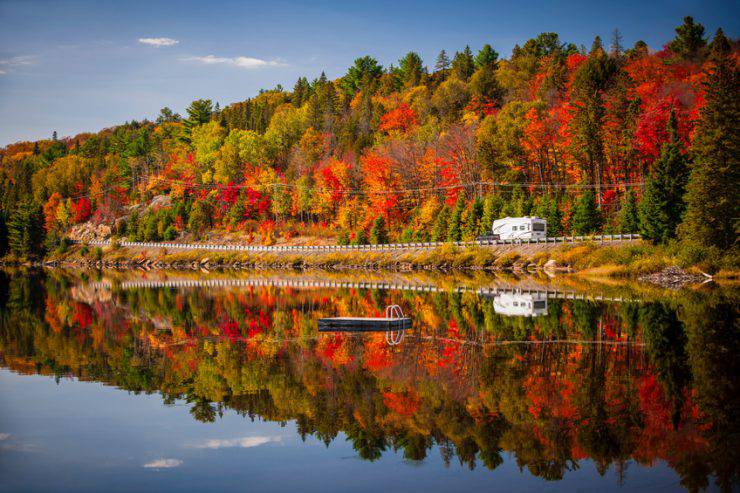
605 138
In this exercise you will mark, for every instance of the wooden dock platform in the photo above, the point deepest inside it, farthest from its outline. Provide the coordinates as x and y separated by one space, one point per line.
363 324
394 320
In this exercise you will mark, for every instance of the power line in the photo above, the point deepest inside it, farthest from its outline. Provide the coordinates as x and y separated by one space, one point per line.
502 187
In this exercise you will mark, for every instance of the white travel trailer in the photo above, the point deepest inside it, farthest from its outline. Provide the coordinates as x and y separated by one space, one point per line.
520 305
520 228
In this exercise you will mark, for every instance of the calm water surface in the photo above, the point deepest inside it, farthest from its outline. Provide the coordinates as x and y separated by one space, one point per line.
153 383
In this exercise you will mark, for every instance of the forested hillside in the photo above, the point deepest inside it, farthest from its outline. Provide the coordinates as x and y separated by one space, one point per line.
599 138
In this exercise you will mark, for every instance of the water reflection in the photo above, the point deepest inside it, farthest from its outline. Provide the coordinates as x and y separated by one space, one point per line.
553 382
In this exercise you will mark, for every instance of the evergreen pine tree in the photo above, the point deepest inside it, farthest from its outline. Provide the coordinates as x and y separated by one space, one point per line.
439 232
443 61
473 219
628 219
515 205
454 229
463 64
689 41
554 219
491 209
547 208
361 237
26 231
586 218
379 233
3 235
712 201
662 205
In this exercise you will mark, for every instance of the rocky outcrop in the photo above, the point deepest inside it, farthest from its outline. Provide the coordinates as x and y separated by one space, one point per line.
674 278
88 231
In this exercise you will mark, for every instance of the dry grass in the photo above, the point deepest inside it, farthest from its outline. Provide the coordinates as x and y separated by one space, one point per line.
622 260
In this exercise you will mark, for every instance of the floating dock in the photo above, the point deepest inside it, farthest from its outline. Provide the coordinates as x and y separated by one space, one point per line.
363 324
394 320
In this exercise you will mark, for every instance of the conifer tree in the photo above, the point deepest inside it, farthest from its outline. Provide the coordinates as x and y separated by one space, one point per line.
379 233
486 57
491 209
473 218
554 219
662 205
26 231
3 235
411 69
586 218
443 61
199 112
463 64
548 209
713 207
689 41
628 219
454 230
361 237
439 232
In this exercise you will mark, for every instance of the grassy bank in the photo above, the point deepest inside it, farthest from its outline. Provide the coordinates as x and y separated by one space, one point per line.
622 260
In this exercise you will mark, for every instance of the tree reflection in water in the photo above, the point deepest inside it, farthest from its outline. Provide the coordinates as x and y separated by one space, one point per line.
646 381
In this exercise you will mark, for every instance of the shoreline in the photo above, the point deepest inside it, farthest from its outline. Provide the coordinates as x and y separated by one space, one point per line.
633 260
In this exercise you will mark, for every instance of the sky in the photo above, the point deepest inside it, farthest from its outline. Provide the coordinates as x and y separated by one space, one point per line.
76 66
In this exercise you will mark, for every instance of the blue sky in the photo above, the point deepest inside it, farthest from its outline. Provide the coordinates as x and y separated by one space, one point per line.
76 66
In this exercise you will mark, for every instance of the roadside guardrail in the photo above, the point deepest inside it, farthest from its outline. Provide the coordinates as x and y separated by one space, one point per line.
367 247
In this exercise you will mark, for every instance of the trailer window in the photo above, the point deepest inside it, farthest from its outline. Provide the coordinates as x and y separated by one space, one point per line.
538 227
539 305
513 228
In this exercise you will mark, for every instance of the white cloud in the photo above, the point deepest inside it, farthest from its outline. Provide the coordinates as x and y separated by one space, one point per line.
158 41
163 464
245 442
7 64
4 436
239 61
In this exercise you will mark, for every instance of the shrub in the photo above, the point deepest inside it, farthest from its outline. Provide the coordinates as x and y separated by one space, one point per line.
507 260
170 233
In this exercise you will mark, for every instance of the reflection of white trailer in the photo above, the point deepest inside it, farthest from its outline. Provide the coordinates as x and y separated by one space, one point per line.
520 227
520 305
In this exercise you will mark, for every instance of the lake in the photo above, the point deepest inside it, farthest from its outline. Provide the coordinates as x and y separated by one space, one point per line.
222 382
